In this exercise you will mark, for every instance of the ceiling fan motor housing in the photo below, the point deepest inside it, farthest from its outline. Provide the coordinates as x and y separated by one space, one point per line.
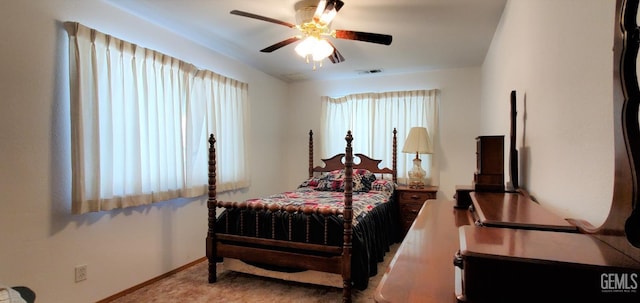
305 10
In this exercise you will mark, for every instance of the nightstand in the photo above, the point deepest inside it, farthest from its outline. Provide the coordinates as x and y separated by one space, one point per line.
410 200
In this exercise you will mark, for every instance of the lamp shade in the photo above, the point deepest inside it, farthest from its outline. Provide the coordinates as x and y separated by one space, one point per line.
418 141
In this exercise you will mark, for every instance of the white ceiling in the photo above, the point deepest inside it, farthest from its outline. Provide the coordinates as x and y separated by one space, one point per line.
427 34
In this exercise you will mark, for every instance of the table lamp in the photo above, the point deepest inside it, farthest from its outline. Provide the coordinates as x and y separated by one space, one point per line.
417 142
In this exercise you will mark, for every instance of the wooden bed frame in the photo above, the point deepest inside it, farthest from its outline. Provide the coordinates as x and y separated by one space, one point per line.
299 255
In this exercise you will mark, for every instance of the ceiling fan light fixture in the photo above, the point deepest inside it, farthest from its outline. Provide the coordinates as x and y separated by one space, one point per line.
322 50
317 49
306 46
314 19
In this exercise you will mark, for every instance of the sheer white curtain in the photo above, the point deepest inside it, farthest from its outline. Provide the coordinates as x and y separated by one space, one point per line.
372 117
214 107
140 121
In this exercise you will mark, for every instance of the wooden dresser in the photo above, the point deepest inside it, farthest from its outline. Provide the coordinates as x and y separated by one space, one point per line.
445 257
422 269
513 236
531 266
515 210
410 201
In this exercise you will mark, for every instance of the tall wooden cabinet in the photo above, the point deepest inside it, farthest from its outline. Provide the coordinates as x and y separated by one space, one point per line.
489 175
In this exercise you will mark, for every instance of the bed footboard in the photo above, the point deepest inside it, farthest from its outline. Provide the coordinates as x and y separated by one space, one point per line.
212 206
319 257
256 243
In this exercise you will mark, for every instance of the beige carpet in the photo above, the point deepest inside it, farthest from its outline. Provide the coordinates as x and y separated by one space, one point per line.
191 286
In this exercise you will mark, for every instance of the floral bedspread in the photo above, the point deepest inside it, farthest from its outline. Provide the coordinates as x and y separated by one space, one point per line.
363 202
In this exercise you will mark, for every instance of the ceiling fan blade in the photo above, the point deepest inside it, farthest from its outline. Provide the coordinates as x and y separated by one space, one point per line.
326 11
336 56
263 18
279 45
363 36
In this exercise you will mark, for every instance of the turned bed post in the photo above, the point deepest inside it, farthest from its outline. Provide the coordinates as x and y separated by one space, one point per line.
310 153
348 217
212 205
394 157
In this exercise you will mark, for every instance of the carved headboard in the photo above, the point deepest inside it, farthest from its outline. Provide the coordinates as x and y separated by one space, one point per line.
360 161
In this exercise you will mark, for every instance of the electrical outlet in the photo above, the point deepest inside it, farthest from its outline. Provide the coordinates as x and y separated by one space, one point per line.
81 272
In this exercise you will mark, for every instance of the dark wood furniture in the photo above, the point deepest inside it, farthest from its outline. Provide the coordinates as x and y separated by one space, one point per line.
462 197
282 253
422 270
490 163
599 264
507 264
410 201
515 210
503 264
530 266
621 229
514 236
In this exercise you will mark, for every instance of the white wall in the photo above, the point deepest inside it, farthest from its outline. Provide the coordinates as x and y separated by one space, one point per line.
557 54
459 118
41 242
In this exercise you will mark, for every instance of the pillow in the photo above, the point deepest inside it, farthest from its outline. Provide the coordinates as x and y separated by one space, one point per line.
383 185
311 182
330 185
365 173
334 181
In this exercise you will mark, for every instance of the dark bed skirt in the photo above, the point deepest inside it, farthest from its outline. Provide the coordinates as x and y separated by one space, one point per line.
372 236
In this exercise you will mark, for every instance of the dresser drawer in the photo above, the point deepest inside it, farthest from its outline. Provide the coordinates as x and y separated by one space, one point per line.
409 213
410 209
415 196
410 201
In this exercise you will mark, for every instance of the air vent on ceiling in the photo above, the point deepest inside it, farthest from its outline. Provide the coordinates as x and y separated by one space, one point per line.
369 71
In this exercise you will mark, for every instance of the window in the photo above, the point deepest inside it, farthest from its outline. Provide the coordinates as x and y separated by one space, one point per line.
372 117
140 121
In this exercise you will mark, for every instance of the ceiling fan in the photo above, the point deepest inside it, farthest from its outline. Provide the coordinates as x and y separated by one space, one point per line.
314 20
